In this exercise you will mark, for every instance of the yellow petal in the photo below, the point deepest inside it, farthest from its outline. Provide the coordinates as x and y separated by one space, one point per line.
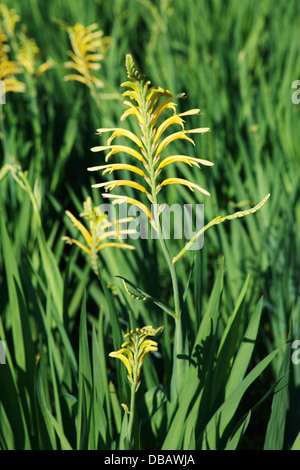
190 112
153 95
119 355
78 78
118 132
185 159
200 130
72 241
171 138
114 184
118 148
132 85
82 229
117 166
167 104
133 95
175 119
190 185
132 110
129 200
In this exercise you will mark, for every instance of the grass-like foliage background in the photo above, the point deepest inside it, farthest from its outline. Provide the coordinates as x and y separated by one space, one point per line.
239 294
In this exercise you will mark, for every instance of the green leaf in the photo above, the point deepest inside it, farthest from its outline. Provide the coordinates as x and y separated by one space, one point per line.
51 423
296 445
223 416
245 351
274 439
234 441
84 382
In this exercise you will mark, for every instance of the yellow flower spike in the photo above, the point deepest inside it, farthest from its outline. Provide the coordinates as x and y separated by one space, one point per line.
98 231
9 68
136 348
89 47
147 105
10 18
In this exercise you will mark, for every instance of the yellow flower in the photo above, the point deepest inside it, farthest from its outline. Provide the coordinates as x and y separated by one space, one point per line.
9 68
28 56
98 231
134 350
89 47
147 105
10 18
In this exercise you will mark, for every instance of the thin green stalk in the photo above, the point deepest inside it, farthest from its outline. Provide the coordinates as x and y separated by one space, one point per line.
134 387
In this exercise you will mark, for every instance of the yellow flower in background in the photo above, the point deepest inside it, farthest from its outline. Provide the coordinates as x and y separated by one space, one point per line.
10 18
134 350
9 68
88 49
97 232
147 149
29 57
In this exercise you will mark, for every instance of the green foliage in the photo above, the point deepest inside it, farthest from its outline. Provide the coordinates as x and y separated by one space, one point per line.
239 294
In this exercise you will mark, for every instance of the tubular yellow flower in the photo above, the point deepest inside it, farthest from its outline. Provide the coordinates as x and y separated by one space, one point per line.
99 230
147 106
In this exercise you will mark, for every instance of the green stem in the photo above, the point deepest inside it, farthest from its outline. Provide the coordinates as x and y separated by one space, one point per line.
131 413
134 387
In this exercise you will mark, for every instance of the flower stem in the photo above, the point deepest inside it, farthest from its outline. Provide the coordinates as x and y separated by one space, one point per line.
131 412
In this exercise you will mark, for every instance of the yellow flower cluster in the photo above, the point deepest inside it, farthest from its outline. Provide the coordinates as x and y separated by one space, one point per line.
88 49
9 68
146 107
134 350
98 231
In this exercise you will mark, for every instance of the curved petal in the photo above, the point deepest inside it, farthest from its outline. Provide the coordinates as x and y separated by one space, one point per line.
82 229
125 360
118 148
171 138
167 104
185 159
72 241
115 183
175 119
129 200
190 185
132 110
119 132
109 168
